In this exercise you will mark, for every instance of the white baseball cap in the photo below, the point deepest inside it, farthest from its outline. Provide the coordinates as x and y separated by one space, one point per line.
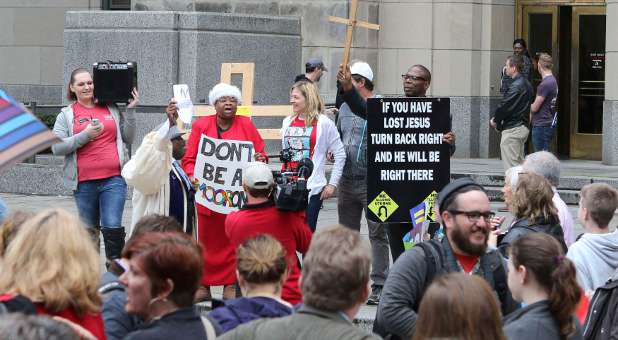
258 176
362 69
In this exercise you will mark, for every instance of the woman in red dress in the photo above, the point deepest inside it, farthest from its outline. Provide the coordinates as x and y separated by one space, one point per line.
219 265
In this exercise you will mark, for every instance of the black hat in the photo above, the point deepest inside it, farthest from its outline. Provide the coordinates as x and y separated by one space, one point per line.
453 186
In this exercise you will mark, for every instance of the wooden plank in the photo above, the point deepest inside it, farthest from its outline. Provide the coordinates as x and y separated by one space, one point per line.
256 111
248 71
349 34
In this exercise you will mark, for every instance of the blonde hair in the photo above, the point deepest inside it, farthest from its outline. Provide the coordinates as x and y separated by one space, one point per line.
261 260
532 199
546 61
52 261
10 227
313 102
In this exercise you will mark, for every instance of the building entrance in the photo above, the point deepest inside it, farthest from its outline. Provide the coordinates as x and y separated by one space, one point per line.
575 37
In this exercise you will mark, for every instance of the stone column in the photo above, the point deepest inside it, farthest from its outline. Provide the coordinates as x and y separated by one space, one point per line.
610 106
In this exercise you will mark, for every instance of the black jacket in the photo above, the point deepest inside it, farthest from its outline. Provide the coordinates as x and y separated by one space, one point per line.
408 279
522 227
184 323
514 109
602 320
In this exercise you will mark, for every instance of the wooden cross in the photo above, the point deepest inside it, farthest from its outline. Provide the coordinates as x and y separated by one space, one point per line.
352 23
248 74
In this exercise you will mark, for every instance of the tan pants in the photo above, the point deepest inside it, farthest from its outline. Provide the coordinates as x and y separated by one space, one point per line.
512 146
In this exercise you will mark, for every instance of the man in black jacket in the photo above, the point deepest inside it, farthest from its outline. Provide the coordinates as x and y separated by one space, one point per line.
416 82
465 211
511 116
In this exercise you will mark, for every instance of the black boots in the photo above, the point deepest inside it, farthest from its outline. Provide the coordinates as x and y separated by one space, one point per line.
113 238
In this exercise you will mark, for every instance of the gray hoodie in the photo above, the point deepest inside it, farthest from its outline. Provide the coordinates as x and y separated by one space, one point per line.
595 257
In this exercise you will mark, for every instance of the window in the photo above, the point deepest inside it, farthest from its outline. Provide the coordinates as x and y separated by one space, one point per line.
124 5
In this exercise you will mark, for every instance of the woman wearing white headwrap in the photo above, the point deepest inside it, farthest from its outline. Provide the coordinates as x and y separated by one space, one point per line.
219 266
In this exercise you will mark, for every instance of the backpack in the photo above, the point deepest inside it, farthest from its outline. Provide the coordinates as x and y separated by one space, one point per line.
433 264
602 319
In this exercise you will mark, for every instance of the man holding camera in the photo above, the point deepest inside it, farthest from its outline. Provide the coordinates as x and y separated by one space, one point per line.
259 215
355 86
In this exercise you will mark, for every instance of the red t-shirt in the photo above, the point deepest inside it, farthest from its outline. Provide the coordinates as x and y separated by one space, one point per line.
91 322
287 227
99 158
467 262
301 139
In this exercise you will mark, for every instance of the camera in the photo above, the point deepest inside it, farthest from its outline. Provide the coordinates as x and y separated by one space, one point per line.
292 193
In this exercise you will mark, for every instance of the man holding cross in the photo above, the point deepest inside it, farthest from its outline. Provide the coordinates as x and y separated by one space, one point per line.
355 86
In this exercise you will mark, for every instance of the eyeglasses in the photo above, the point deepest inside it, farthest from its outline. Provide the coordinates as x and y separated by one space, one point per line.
411 77
475 216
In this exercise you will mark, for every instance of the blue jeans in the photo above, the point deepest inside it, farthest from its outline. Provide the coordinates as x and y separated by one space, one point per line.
541 137
100 202
313 210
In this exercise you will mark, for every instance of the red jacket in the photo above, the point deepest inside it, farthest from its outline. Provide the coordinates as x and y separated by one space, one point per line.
242 129
289 228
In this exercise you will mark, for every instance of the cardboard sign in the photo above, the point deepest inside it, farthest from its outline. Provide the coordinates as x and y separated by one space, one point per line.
407 160
219 166
183 102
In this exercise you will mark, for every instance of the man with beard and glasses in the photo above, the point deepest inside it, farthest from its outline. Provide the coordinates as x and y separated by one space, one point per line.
160 184
465 211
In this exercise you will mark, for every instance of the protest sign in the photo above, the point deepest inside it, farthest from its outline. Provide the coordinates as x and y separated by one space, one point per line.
218 168
183 102
407 161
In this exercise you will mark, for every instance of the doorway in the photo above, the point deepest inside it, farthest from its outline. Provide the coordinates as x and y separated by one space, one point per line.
575 37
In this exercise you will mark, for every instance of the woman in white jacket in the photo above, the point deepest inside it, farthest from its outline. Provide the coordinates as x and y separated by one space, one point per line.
310 134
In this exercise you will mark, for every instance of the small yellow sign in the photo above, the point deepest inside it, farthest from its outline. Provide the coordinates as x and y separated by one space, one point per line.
429 205
243 110
383 206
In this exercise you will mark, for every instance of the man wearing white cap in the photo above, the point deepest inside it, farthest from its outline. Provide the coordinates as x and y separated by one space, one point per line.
259 215
354 88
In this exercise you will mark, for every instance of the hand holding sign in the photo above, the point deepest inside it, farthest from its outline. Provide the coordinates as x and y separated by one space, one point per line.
183 102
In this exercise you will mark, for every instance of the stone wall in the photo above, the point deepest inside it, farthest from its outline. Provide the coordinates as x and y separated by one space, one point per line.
187 47
320 38
31 47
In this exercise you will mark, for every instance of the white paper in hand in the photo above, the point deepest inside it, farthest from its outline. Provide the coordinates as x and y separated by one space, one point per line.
183 102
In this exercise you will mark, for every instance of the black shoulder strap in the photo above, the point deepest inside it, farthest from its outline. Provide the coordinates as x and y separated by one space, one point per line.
500 282
433 264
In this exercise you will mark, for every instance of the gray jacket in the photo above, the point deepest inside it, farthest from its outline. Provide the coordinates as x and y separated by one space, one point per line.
595 257
63 128
535 322
306 324
407 281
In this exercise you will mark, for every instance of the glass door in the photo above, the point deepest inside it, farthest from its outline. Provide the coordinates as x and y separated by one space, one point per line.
588 82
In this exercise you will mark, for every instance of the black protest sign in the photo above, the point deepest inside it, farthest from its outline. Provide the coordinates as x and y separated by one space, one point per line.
407 161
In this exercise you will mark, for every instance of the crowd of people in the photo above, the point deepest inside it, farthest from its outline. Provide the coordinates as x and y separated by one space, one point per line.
282 278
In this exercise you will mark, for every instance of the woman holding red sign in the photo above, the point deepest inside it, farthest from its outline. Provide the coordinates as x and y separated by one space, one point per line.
219 265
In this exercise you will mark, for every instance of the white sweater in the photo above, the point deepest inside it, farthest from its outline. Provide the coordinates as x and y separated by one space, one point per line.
327 139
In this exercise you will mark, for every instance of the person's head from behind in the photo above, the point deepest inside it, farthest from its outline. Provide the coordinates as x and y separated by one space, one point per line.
514 64
10 227
545 164
33 327
335 273
258 182
52 260
261 265
545 62
81 86
511 176
164 272
519 46
466 214
538 267
416 81
362 77
597 204
155 223
225 98
455 305
306 101
532 199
